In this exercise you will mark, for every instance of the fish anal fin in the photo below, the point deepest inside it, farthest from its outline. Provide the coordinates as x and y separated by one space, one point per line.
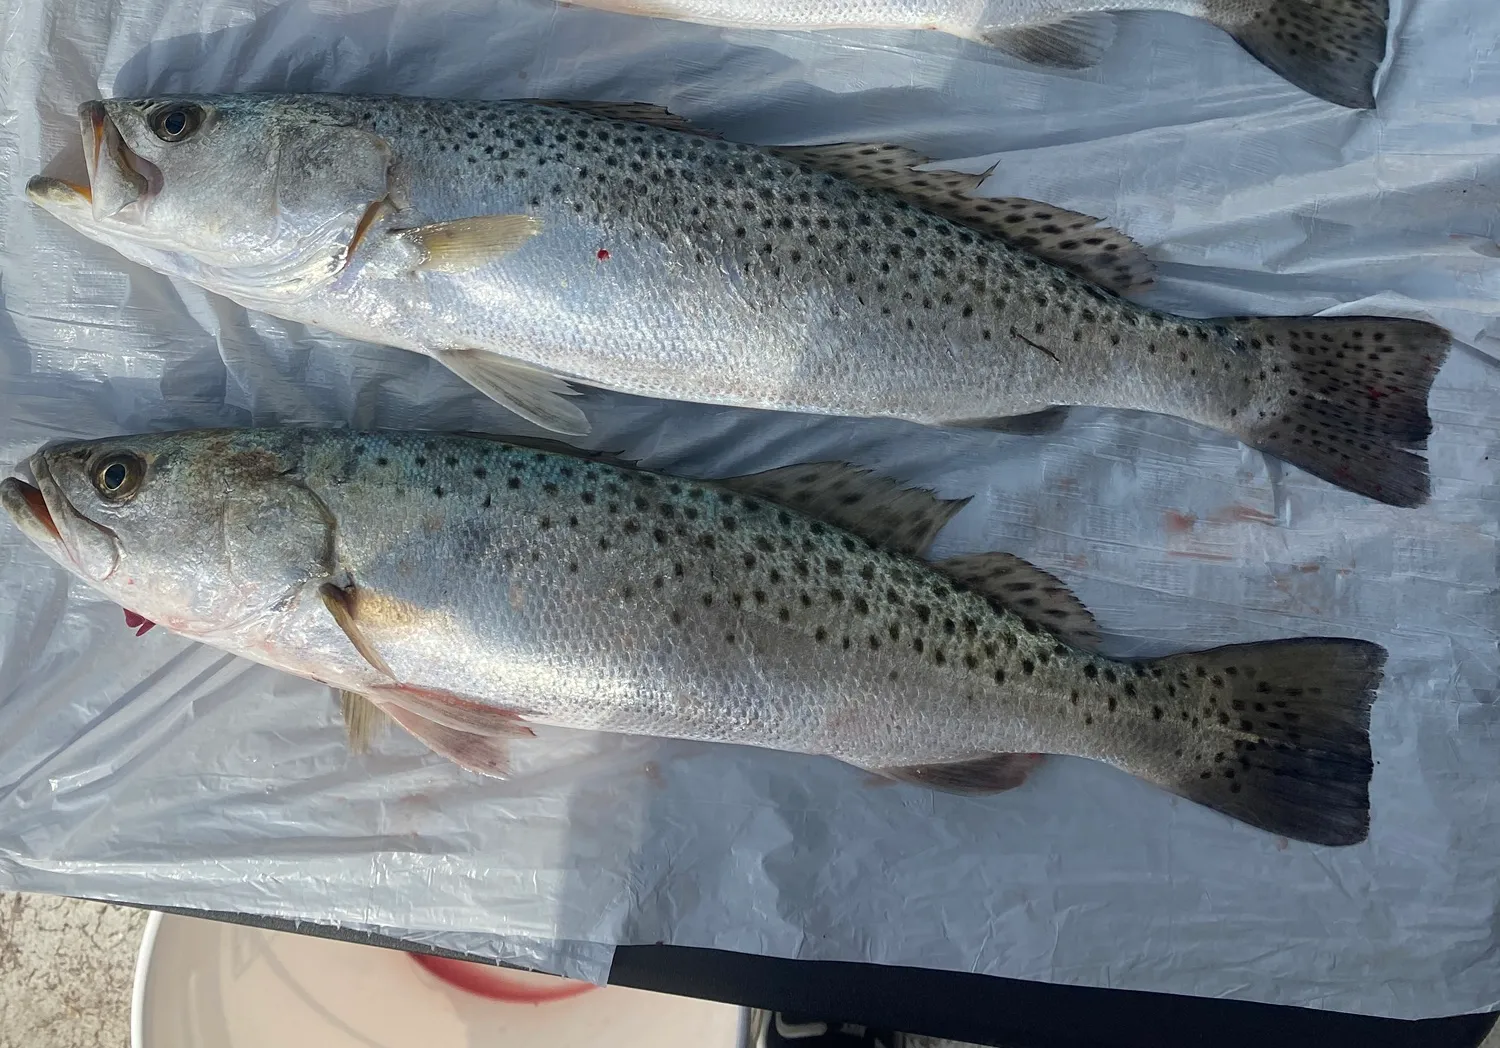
993 773
342 603
1075 41
468 243
1031 424
1025 590
879 510
482 754
633 112
538 396
1067 239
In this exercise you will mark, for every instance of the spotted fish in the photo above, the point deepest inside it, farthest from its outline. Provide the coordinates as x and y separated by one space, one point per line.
535 248
1329 48
471 588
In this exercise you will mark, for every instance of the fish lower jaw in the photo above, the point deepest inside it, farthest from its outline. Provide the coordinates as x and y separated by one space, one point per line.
56 193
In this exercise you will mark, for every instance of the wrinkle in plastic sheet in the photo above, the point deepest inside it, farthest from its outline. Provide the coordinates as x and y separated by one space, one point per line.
157 771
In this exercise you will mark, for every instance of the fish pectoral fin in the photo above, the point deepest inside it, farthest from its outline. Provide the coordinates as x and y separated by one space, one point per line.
879 510
994 773
1027 591
341 603
1067 239
482 754
363 719
1075 42
453 711
468 243
635 112
537 396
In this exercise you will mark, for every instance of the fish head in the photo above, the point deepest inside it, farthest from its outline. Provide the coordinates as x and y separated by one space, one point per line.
255 195
200 531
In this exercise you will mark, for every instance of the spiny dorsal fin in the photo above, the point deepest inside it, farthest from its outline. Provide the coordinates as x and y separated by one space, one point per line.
1028 591
877 509
1067 239
632 112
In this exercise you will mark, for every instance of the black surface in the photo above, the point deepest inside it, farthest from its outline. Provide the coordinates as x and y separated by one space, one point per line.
1019 1014
978 1008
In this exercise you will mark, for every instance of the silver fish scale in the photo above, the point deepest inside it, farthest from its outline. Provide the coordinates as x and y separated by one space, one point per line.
591 596
676 265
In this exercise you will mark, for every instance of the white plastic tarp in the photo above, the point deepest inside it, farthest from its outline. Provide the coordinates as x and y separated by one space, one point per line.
158 771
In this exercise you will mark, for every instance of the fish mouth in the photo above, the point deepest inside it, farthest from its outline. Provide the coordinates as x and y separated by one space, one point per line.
28 509
45 515
118 177
58 193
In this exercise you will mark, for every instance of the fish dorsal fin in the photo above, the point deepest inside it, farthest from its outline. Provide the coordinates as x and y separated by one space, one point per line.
1067 239
538 396
1028 591
878 509
632 112
1072 42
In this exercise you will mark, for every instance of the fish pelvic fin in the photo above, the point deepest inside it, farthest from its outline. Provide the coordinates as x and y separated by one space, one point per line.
1329 48
1344 398
1274 734
363 720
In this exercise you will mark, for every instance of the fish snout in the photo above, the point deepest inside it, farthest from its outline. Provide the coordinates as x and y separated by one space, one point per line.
118 176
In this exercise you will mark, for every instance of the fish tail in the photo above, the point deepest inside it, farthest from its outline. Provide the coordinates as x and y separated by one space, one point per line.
1329 48
1275 734
1344 398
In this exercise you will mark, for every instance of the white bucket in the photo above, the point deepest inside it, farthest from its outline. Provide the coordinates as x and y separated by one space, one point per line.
208 984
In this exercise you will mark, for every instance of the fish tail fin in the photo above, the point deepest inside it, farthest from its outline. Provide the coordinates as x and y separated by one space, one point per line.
1276 734
1329 48
1344 398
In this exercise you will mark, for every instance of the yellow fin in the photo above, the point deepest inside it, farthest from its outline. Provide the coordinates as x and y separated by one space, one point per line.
468 243
340 604
362 720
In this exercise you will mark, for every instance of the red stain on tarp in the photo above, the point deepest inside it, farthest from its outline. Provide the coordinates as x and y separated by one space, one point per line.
1177 523
1244 514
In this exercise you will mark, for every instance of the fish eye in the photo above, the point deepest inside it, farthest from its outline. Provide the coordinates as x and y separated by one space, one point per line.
176 123
117 477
